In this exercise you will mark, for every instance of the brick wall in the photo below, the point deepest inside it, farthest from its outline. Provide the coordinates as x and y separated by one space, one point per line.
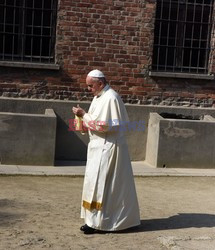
116 37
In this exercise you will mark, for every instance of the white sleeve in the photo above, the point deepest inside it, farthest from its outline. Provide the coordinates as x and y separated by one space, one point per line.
92 124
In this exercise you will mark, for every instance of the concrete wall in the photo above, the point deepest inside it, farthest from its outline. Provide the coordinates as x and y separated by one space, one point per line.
181 143
27 139
73 146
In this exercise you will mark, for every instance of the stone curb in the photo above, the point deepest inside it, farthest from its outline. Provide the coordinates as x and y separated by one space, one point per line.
140 169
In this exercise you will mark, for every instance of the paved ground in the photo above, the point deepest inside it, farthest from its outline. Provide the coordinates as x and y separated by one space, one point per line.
40 209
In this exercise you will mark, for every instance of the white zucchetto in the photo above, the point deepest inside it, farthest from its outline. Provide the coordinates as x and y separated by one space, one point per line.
96 73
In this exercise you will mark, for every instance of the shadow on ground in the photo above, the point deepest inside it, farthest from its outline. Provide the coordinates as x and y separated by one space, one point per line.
70 163
8 218
178 221
184 220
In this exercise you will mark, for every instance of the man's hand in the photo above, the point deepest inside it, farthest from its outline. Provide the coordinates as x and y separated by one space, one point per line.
78 111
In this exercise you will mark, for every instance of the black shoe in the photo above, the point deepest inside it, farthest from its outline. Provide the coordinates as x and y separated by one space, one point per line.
84 227
89 230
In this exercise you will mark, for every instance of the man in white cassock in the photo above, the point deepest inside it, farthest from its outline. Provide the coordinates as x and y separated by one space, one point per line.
109 200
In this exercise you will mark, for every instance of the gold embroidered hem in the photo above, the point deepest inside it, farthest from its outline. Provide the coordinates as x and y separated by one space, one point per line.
92 205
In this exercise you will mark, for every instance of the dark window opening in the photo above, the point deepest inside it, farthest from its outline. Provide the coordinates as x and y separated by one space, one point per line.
182 36
27 30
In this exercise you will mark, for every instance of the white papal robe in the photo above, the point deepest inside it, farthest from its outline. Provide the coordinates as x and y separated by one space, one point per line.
109 200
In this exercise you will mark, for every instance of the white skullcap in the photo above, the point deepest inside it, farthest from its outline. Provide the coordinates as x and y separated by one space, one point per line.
96 73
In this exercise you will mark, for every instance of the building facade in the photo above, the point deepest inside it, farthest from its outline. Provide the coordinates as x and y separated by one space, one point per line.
152 52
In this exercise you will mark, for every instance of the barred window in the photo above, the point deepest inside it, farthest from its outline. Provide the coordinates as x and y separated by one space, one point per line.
27 30
182 36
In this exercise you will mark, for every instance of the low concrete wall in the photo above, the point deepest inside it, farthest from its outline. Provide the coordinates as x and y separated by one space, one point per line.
181 143
73 146
27 139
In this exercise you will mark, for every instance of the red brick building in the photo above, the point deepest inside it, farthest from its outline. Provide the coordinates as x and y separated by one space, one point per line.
152 52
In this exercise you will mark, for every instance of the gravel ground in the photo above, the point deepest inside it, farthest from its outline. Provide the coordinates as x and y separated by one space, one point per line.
177 213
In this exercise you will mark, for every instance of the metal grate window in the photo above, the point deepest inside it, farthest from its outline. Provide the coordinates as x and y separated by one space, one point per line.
27 30
182 36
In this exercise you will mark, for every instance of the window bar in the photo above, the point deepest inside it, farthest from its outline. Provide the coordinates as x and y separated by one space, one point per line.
192 36
182 25
159 41
184 38
167 38
207 47
41 30
200 40
53 20
4 31
210 18
14 25
23 31
20 16
211 56
55 26
175 64
51 30
32 32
